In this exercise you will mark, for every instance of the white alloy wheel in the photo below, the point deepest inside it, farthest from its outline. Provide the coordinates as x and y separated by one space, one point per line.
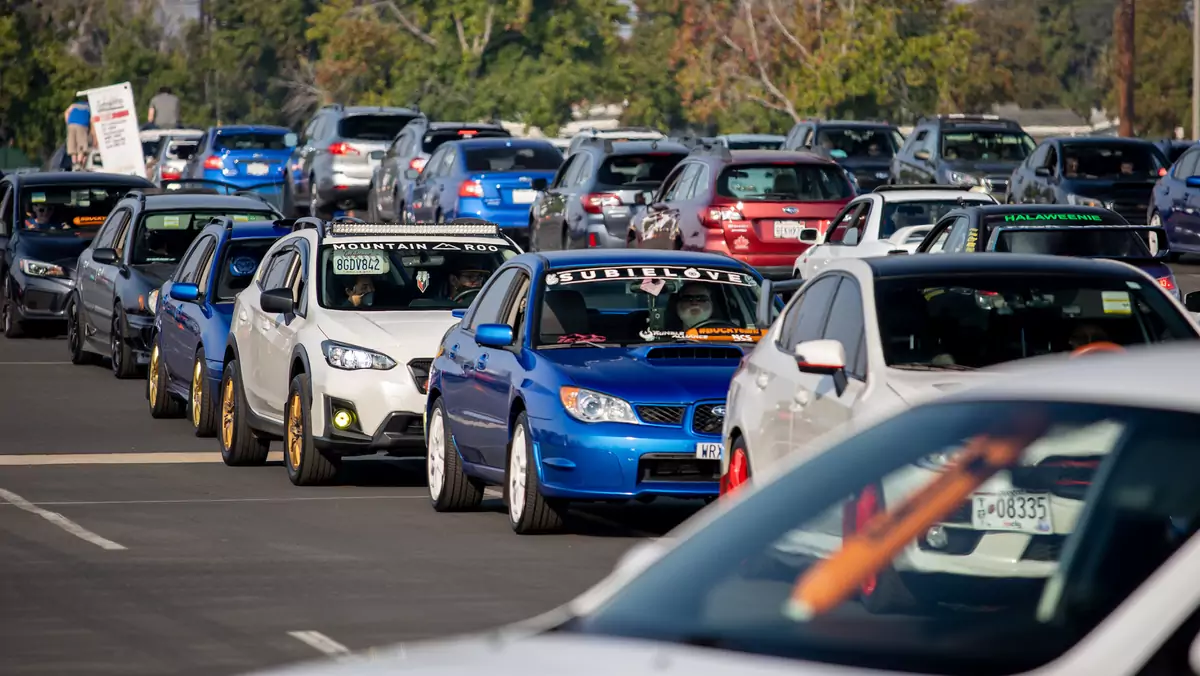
435 458
517 466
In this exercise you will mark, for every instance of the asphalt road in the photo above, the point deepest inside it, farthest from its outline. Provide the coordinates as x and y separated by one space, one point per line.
178 564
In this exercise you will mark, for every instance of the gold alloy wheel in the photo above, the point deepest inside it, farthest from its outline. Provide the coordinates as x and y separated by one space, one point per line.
197 393
295 432
154 376
227 409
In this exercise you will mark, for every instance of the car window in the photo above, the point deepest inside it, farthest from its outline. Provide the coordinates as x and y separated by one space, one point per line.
122 238
1111 242
205 269
898 215
857 142
108 233
1186 166
644 171
518 307
958 235
281 264
239 261
855 220
583 170
699 187
373 127
770 182
846 322
251 140
163 236
805 320
190 265
513 158
986 145
1003 572
1110 161
488 309
626 304
6 193
682 186
434 139
74 209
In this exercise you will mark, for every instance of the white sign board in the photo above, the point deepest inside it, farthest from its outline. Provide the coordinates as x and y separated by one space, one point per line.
115 121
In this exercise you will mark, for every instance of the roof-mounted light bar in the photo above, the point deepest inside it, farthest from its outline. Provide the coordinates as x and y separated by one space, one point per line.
402 229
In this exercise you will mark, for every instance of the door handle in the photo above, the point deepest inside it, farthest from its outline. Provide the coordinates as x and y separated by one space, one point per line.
762 381
481 363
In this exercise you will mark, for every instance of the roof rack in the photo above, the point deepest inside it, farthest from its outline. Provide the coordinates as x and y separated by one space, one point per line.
970 119
711 147
139 195
921 186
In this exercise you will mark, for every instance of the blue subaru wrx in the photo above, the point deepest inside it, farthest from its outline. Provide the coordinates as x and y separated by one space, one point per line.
192 312
595 375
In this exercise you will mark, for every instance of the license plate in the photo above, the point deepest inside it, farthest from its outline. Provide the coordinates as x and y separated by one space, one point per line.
710 450
788 229
1014 511
258 169
524 196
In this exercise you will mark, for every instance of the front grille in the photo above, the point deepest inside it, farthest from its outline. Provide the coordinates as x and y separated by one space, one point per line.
708 418
1043 548
677 467
419 370
42 300
662 415
666 353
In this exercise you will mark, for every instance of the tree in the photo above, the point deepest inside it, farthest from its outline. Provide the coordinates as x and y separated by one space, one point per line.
1162 67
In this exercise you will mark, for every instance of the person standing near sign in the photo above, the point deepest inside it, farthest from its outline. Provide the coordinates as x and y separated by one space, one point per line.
78 117
164 109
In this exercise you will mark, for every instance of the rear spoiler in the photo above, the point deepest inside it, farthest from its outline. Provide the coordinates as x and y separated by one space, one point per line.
768 299
1155 236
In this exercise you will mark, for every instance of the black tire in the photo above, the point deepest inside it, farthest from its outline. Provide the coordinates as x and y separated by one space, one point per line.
566 238
538 513
677 244
162 404
124 366
239 445
372 210
456 492
75 332
13 328
306 464
203 412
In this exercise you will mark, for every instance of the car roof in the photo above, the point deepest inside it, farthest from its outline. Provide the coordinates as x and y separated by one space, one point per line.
988 262
1104 140
854 123
931 194
65 178
638 147
243 128
378 110
204 201
587 257
441 126
751 137
750 156
500 141
252 230
1001 209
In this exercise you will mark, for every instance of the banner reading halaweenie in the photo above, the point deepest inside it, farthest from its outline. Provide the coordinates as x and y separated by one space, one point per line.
114 118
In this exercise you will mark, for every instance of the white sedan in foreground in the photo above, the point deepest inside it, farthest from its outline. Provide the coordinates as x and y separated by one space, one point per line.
779 579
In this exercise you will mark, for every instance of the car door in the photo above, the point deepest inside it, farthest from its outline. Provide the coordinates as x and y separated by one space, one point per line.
86 269
824 408
254 354
281 337
844 236
303 155
817 257
468 405
425 194
550 212
173 330
663 220
7 221
651 217
775 382
572 221
105 289
1174 197
496 371
1023 175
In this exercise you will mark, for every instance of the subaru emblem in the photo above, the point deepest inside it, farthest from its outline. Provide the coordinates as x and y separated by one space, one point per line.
525 179
790 210
719 411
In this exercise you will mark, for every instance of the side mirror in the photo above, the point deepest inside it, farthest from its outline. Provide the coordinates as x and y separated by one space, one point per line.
1042 171
459 313
1193 182
376 155
922 155
850 238
277 301
1192 301
823 357
494 335
770 292
184 292
809 234
412 174
105 256
540 184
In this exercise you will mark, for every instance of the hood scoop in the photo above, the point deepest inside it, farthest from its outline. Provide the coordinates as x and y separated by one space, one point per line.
667 354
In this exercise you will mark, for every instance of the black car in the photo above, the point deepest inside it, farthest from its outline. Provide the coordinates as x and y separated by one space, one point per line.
1174 148
1113 173
864 149
110 312
46 220
592 198
971 150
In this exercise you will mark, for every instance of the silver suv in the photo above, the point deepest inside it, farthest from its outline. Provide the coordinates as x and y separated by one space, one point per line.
332 165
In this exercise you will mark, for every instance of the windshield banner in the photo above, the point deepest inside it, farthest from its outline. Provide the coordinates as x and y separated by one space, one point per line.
642 272
420 246
115 122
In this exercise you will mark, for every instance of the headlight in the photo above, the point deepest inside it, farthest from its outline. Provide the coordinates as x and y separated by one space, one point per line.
152 302
591 407
351 358
39 269
1081 201
959 178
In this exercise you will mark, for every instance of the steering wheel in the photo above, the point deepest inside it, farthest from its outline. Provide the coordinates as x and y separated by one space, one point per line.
1098 346
461 296
719 323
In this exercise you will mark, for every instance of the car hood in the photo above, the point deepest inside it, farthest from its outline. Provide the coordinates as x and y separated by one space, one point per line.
60 250
644 374
413 332
915 387
1108 189
983 167
516 655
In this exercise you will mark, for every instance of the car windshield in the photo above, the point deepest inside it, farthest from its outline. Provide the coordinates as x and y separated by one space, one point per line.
647 170
513 158
784 182
986 146
185 146
961 322
1109 242
238 264
251 140
408 275
1110 161
626 304
434 139
164 236
857 142
373 127
78 210
997 572
898 215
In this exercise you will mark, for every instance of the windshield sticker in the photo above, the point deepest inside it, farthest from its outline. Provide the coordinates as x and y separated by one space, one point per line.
361 264
647 334
580 338
725 334
243 266
1116 302
1053 217
642 272
422 280
170 222
241 218
89 220
37 197
972 239
418 246
653 286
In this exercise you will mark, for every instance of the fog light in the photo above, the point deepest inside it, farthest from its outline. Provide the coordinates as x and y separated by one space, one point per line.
936 537
342 419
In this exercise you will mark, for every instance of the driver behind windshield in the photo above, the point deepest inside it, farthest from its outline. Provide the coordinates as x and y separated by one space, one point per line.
361 293
694 304
43 217
464 281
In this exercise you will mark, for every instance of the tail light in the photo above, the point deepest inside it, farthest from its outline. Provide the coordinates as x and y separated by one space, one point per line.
1162 171
470 189
174 175
1167 283
417 163
342 148
716 217
738 473
592 241
213 162
594 203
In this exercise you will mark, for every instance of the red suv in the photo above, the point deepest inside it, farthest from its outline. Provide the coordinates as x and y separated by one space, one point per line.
763 207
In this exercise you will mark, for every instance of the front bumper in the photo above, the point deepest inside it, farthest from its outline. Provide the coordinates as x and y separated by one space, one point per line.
40 298
139 336
607 231
515 217
387 406
615 461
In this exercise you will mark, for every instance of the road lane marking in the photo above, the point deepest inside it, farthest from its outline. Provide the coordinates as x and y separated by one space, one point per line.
60 521
321 642
218 500
120 458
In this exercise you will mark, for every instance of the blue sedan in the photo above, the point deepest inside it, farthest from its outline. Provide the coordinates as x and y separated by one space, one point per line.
593 375
192 313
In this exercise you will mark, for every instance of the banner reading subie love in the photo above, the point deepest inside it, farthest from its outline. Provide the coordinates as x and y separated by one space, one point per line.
115 121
